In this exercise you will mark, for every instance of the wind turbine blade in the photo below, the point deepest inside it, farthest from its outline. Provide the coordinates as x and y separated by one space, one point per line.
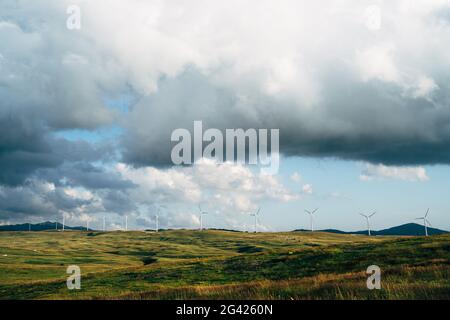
372 214
363 215
315 210
307 211
428 222
428 211
419 218
259 209
200 208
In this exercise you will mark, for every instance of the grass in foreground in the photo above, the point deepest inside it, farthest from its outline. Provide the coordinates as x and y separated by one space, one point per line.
221 265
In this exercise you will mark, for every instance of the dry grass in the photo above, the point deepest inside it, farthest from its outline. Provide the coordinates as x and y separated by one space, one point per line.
400 283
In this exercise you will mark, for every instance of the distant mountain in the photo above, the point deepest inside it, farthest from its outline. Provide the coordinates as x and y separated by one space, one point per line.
44 226
409 229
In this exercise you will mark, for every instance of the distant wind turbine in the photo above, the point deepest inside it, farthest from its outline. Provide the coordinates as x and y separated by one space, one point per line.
202 213
157 221
425 222
126 223
104 223
64 223
368 220
256 215
311 218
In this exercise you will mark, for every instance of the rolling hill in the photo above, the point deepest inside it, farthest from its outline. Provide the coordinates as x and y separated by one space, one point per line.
192 264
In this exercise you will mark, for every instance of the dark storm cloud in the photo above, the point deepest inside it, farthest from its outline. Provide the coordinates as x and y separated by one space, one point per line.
86 175
23 149
35 198
26 150
370 121
118 201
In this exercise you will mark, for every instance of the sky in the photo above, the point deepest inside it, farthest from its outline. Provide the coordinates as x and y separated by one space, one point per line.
90 92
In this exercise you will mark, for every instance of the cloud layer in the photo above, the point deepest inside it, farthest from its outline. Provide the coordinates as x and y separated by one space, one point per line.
336 80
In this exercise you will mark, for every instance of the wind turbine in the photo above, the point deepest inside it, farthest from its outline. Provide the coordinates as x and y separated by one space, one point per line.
202 213
104 224
256 215
368 220
64 222
311 218
157 221
126 223
425 222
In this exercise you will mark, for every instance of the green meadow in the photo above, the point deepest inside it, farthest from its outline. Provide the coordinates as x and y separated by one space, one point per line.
186 264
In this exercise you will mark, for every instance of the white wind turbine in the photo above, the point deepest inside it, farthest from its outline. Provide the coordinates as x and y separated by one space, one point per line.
104 223
311 218
256 215
157 221
126 223
202 213
368 220
425 222
64 223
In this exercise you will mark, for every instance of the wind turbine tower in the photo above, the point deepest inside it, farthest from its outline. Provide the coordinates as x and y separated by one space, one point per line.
311 218
126 223
426 223
64 223
368 220
202 213
157 222
256 216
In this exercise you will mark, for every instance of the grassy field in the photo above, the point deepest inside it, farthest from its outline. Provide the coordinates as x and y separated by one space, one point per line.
221 265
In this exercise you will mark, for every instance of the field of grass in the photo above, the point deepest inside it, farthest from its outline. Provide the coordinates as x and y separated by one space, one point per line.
186 264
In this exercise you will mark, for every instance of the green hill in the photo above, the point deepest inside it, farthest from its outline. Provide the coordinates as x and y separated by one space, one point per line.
220 265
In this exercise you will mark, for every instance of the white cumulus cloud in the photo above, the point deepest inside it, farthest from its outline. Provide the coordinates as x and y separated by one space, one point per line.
381 171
